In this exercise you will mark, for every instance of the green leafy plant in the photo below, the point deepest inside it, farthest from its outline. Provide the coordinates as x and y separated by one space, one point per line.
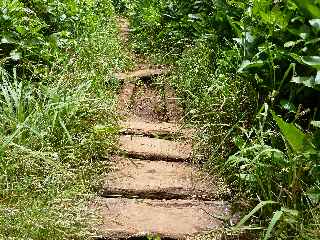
234 61
283 176
57 127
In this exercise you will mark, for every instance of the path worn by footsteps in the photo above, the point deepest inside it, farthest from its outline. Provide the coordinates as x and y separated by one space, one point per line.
153 189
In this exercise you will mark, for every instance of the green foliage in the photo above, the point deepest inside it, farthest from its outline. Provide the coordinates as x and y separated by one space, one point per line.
276 40
57 123
231 59
289 176
34 32
215 98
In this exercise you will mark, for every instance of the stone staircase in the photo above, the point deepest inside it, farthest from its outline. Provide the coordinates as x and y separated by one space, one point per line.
153 189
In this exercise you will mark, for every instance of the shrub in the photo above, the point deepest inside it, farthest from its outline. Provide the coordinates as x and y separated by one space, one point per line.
213 97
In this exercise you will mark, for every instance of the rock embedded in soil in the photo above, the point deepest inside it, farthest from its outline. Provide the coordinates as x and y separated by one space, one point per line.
140 127
155 149
160 180
175 219
142 73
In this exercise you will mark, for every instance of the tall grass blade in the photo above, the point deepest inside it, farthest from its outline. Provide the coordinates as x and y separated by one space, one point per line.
276 217
253 211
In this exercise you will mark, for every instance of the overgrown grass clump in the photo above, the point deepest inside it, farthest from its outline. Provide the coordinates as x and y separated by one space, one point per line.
216 100
248 74
57 122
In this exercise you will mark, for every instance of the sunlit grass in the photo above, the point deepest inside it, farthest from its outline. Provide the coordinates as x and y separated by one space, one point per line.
56 134
236 63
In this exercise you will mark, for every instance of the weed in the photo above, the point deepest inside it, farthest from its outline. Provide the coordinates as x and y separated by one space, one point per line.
57 100
247 73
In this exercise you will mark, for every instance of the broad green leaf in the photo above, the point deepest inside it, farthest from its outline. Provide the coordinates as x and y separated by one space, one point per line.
288 105
296 57
292 43
307 81
276 217
4 40
312 82
246 65
297 140
248 37
238 40
299 19
309 8
194 16
313 41
14 55
313 61
315 23
317 79
302 31
7 39
304 36
315 124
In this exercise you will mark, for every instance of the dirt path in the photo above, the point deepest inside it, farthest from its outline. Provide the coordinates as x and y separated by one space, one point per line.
153 188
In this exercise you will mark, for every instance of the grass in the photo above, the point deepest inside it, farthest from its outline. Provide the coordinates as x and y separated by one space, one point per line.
56 135
213 99
243 73
246 75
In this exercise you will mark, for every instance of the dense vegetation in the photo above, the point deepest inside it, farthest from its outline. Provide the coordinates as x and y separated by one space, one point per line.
248 73
57 125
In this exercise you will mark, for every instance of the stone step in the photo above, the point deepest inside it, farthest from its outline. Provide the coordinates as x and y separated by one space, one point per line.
174 219
154 149
160 180
142 73
140 127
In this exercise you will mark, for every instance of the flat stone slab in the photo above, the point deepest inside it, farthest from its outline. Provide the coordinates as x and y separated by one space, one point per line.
140 127
176 219
142 73
155 149
160 180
